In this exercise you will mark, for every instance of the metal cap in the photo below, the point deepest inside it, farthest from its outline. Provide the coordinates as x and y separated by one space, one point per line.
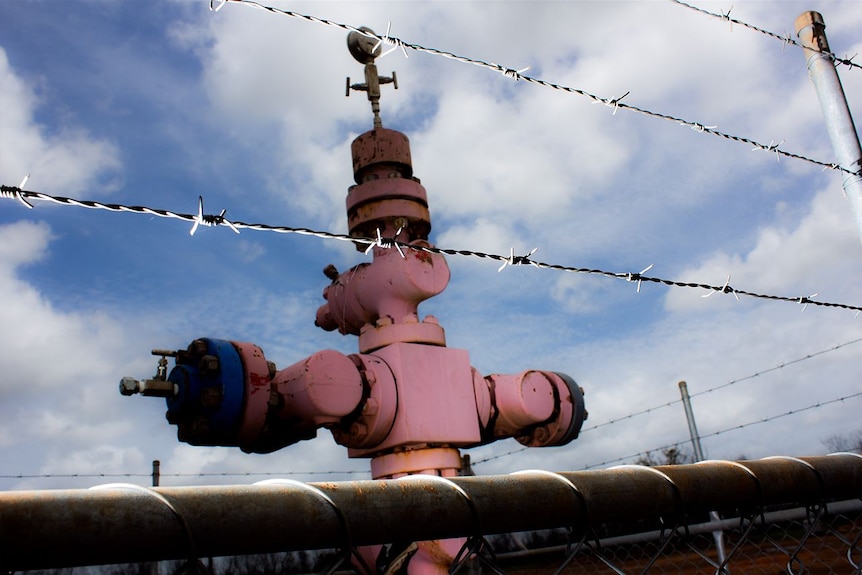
381 146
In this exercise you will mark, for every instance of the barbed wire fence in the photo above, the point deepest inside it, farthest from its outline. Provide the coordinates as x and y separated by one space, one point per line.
518 75
810 539
785 39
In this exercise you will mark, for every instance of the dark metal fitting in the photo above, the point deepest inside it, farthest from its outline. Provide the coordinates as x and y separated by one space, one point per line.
208 365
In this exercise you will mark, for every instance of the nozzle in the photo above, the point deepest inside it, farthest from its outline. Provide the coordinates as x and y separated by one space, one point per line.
148 387
130 386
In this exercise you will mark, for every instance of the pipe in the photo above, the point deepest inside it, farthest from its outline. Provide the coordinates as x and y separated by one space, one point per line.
811 30
123 523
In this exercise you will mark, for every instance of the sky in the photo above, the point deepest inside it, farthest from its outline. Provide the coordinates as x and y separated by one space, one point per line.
156 103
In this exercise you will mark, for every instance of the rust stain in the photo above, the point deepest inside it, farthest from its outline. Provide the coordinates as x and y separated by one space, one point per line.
423 257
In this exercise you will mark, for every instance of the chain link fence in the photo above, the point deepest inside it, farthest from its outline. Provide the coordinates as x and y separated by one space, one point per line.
816 540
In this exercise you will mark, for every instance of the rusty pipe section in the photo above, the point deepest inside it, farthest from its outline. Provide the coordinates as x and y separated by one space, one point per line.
125 523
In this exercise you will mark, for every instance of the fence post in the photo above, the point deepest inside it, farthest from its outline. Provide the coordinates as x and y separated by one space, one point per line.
811 30
698 455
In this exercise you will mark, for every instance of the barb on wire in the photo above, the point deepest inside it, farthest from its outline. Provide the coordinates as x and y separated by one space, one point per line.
724 289
785 40
209 220
386 243
638 276
389 40
700 127
514 260
807 300
19 196
772 147
512 73
613 102
511 259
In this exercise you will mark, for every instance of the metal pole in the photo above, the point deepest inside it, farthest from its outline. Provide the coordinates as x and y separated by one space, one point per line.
154 566
124 523
698 455
811 30
692 426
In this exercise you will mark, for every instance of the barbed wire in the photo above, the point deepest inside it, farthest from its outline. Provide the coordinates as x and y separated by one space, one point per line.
675 401
785 39
201 219
499 455
161 474
722 386
614 103
728 429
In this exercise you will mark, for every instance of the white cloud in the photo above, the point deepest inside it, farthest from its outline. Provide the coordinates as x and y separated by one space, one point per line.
94 460
76 346
819 255
59 367
484 235
251 250
69 160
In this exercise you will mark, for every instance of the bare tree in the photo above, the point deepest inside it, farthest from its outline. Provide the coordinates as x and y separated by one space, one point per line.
851 442
669 456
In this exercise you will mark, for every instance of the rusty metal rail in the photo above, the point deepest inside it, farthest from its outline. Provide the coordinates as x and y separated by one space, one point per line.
122 523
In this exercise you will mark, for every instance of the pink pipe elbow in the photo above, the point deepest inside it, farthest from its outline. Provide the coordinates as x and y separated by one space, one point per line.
391 286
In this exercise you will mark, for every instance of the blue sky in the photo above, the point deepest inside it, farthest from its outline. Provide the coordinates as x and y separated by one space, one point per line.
156 103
